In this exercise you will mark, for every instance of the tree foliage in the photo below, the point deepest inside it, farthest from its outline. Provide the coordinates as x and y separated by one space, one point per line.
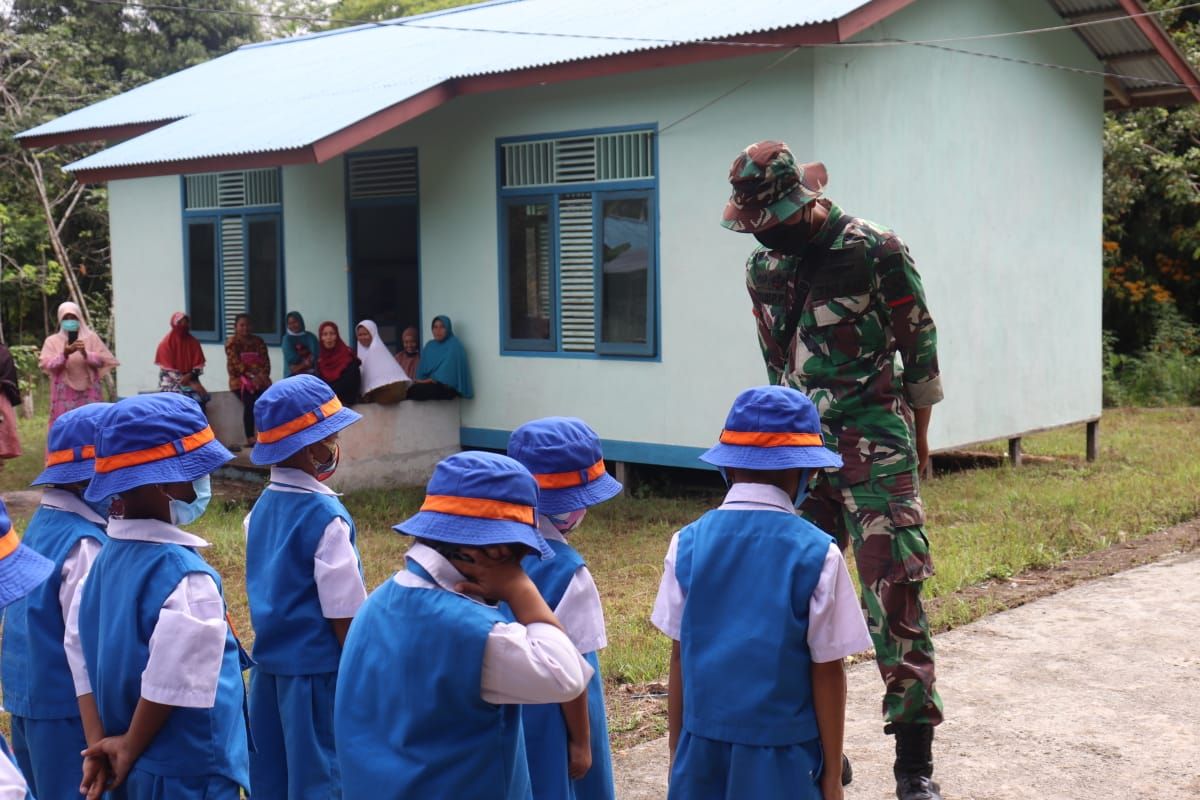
1152 211
57 56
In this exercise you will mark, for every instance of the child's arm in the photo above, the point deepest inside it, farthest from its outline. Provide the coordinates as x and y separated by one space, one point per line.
829 702
187 647
674 703
340 587
122 751
579 736
532 660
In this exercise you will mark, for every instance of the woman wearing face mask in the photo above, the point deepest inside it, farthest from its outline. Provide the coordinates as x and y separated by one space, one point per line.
163 665
76 361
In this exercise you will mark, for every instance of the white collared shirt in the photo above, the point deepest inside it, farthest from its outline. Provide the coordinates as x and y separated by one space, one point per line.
340 587
188 642
537 663
836 628
579 610
75 568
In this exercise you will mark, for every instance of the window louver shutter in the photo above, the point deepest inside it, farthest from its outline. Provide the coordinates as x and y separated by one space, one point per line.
577 282
390 175
255 187
233 270
575 160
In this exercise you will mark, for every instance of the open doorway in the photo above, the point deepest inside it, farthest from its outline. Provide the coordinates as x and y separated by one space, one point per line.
382 230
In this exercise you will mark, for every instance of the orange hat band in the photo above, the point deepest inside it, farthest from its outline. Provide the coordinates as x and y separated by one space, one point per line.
68 456
157 453
326 410
479 508
756 439
566 480
9 543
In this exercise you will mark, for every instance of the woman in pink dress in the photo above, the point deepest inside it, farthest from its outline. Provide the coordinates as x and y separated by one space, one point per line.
76 361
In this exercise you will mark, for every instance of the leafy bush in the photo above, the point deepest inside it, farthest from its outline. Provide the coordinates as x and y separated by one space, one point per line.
1166 373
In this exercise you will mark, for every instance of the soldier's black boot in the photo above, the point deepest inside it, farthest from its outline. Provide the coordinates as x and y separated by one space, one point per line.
914 761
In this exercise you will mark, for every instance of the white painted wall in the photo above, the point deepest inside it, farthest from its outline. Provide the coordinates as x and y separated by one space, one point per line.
989 170
146 232
147 240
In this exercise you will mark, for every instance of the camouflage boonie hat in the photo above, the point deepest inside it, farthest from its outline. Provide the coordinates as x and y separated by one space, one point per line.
769 187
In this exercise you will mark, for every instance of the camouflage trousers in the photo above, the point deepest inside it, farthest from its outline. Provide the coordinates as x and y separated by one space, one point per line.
884 519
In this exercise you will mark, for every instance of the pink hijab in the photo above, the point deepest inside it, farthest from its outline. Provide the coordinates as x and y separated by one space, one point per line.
80 373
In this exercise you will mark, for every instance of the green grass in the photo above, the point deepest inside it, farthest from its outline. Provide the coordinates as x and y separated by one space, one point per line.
983 523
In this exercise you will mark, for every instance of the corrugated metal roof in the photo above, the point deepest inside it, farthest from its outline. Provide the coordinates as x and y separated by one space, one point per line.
1125 48
300 88
291 93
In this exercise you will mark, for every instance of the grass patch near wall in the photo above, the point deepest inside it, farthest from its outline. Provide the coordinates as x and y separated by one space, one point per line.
983 523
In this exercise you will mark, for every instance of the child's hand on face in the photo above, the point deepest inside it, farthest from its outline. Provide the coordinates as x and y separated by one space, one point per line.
493 573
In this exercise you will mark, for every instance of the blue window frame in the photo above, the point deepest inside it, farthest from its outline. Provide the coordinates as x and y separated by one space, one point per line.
578 230
233 252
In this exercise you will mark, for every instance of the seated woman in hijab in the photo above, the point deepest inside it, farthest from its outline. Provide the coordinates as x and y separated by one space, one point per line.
336 364
383 380
443 374
249 366
180 361
299 347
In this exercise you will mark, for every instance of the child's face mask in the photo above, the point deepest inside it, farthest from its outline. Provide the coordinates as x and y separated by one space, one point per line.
185 513
70 325
565 523
326 468
805 487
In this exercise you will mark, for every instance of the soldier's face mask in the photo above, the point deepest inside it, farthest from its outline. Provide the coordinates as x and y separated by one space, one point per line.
787 239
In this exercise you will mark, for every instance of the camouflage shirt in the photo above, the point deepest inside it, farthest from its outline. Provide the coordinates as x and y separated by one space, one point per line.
855 301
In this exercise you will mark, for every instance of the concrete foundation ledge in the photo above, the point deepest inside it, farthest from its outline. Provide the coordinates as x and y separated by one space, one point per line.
396 445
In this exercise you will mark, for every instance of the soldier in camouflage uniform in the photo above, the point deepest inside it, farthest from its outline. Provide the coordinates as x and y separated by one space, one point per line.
835 299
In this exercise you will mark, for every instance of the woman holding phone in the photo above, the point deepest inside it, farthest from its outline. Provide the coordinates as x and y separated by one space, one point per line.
76 361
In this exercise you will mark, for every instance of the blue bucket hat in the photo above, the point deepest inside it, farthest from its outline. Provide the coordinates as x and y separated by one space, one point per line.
772 427
22 569
294 413
564 455
71 446
479 499
153 438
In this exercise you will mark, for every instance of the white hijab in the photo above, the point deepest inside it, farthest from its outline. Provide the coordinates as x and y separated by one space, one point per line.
379 367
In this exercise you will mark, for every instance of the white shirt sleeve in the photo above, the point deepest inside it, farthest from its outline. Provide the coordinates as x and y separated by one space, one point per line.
74 572
12 783
187 646
668 606
581 614
531 664
836 628
335 568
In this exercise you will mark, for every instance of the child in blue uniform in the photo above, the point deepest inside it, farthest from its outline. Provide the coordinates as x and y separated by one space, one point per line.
42 662
304 581
22 570
754 591
161 658
567 746
433 672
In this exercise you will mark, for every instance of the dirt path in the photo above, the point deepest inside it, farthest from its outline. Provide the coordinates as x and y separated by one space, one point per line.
1091 692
